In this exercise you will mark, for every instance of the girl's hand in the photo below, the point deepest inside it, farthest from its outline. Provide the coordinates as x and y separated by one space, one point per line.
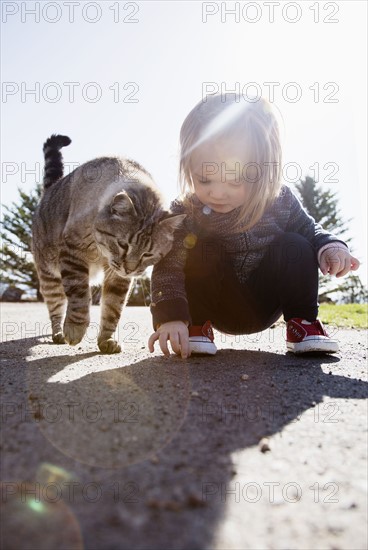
177 333
337 261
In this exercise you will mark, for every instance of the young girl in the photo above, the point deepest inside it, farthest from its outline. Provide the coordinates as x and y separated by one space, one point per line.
247 251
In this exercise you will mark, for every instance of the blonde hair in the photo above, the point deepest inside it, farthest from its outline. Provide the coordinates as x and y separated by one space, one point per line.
231 117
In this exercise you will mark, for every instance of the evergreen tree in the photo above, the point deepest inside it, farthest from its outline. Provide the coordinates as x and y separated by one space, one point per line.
322 205
16 263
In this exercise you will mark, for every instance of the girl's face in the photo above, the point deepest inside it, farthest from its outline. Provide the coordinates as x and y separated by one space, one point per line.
218 176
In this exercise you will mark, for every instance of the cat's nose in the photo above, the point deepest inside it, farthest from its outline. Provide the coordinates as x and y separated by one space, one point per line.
130 271
130 268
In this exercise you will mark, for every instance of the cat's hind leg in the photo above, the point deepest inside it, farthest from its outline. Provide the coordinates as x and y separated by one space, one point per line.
53 293
115 291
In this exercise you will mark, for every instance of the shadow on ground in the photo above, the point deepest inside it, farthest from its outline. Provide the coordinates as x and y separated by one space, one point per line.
132 456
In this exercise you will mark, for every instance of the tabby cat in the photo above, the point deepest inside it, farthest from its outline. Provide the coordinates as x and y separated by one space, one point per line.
105 215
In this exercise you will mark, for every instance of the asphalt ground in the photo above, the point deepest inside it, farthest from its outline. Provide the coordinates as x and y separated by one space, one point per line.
254 448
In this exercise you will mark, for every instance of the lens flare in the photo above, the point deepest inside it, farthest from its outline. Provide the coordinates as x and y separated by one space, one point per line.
29 520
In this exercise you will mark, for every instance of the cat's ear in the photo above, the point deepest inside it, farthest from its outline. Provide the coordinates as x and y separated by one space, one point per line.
172 222
122 204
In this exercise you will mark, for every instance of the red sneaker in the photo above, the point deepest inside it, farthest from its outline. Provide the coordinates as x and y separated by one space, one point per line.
201 339
303 336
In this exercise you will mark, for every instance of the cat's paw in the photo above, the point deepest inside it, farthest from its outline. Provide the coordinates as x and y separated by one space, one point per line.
58 338
73 334
109 346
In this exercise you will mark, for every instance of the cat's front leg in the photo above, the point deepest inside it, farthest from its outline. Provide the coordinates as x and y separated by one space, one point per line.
75 277
115 291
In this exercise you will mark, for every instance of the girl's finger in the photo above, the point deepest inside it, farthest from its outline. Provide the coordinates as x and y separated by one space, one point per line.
335 266
163 343
345 269
323 265
151 341
174 341
184 344
355 263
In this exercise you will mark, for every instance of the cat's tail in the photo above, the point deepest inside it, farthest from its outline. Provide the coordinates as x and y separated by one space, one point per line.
54 168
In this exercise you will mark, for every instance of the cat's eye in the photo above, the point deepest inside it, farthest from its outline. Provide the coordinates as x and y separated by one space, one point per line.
147 255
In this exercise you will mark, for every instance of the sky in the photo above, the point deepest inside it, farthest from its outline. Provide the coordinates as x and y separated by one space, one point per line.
120 77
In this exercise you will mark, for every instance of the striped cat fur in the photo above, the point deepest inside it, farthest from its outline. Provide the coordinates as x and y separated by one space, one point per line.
105 216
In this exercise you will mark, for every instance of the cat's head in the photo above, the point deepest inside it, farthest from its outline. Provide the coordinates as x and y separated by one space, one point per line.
132 242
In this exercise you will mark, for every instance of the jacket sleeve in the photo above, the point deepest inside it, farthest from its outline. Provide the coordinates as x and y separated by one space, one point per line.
168 296
301 222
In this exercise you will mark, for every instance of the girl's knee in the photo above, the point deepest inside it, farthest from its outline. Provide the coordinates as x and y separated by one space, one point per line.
295 248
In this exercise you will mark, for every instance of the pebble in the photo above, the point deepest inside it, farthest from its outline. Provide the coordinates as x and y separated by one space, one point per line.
195 501
244 376
264 445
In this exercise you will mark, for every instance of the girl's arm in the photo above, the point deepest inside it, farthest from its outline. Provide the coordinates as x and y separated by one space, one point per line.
169 306
169 299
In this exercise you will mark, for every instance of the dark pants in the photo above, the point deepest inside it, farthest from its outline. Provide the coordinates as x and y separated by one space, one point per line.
285 282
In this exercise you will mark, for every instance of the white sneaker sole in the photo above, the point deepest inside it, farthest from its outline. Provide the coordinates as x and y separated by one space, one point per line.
313 343
203 348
